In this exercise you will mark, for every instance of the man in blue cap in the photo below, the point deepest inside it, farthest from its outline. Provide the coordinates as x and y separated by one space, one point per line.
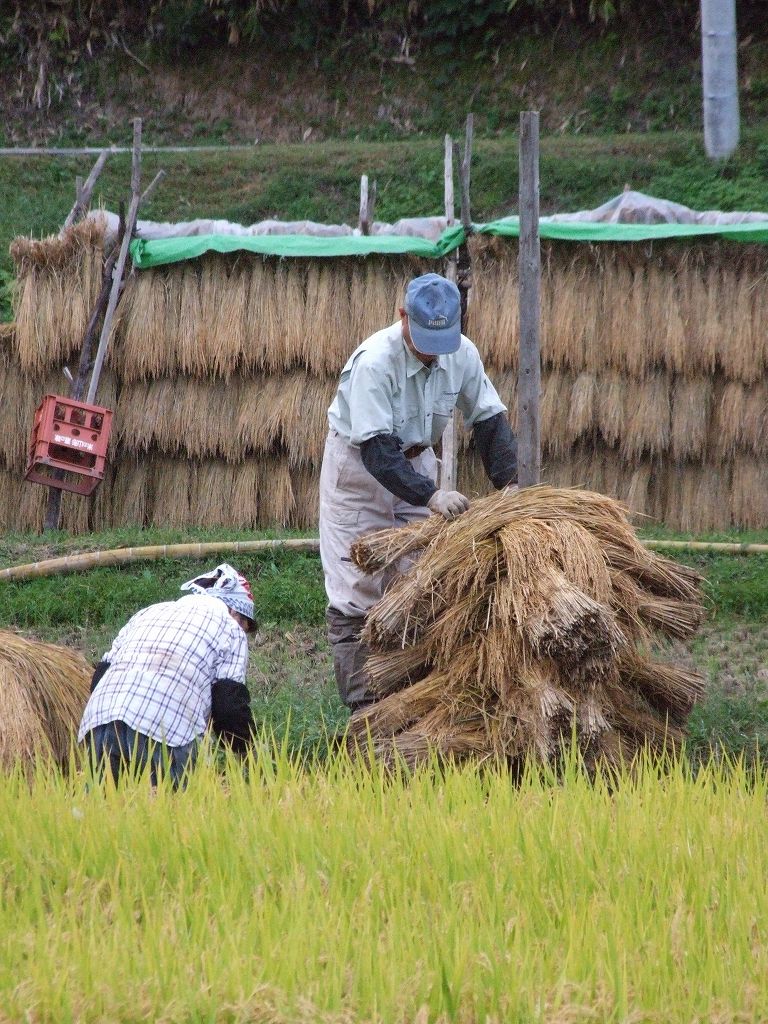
395 398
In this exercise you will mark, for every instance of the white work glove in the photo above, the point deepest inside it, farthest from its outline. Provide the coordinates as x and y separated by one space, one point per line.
448 504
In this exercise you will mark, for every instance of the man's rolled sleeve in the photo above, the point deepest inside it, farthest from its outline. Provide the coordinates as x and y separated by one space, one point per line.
478 399
370 401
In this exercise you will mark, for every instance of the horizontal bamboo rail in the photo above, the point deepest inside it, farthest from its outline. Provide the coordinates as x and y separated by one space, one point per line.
726 547
123 556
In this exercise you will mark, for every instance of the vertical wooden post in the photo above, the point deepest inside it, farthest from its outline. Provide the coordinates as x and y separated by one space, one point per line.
448 463
463 266
529 372
363 222
465 173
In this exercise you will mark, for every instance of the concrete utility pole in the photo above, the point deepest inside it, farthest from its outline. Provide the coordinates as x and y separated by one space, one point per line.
720 79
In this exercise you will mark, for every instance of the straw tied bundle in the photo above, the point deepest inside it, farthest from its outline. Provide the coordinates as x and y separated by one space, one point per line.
43 691
523 622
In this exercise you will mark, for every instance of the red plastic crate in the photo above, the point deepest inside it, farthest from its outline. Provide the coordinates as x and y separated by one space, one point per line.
70 436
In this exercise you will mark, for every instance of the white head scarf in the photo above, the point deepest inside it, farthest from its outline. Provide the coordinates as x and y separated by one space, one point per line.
228 585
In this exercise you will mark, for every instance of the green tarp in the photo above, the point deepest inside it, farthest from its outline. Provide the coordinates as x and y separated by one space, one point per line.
147 254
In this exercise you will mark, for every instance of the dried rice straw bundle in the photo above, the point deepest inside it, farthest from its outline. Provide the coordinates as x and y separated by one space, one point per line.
749 493
276 498
385 282
289 310
610 401
227 336
30 514
328 332
755 422
557 388
497 331
727 429
190 331
132 495
9 500
740 354
520 622
170 486
697 494
570 324
211 490
581 411
146 337
637 489
43 692
305 426
691 405
647 418
245 493
58 279
207 415
260 315
305 484
715 319
668 334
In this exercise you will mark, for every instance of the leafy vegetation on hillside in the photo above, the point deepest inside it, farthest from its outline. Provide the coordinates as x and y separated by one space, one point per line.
321 182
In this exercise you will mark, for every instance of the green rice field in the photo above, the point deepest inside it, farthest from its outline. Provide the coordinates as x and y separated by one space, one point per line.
296 893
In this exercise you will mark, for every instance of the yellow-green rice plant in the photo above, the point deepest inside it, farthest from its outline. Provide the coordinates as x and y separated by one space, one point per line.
341 893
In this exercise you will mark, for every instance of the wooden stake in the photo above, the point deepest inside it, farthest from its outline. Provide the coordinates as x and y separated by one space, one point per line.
463 264
529 268
448 474
117 278
147 193
364 224
465 169
83 197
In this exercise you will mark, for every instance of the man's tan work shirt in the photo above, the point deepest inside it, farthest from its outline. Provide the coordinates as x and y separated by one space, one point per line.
385 389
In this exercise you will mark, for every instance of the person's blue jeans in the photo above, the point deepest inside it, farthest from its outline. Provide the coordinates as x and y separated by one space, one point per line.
123 749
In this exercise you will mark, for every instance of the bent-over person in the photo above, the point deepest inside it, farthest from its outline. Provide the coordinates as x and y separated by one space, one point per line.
174 668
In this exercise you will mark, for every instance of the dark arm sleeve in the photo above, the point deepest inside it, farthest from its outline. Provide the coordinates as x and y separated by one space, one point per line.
231 715
98 672
497 446
384 460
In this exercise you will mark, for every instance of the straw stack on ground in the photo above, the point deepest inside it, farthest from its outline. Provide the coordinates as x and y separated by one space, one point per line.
43 691
525 621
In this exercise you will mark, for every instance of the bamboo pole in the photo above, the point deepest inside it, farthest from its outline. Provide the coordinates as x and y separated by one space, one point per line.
448 461
309 545
529 371
124 556
363 222
117 279
84 193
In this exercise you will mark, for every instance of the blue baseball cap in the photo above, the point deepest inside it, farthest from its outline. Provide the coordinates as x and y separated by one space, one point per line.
433 305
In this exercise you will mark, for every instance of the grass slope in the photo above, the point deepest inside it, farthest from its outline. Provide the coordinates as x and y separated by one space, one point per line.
321 181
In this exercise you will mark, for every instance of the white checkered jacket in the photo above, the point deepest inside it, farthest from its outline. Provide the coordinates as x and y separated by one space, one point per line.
161 668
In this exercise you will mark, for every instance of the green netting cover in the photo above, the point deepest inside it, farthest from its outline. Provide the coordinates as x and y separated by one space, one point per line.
147 254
